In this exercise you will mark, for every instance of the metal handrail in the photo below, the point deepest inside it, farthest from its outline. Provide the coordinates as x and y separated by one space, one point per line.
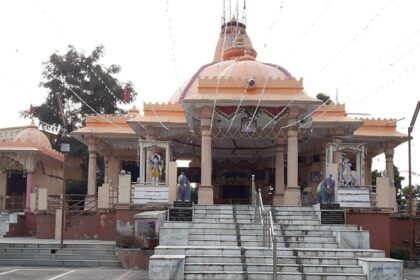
269 235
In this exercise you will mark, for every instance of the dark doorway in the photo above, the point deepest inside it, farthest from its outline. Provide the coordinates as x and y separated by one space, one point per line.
15 190
131 167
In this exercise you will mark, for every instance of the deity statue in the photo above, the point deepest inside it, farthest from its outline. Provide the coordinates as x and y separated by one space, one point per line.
345 175
155 168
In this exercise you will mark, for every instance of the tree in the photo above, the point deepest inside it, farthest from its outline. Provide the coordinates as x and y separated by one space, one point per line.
83 84
324 97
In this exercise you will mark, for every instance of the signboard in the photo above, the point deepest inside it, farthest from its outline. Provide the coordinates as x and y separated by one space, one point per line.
333 217
182 203
329 206
145 194
180 214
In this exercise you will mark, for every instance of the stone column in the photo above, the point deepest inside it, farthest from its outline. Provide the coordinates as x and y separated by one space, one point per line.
368 170
292 194
205 192
29 187
278 198
323 163
336 154
107 157
389 158
92 149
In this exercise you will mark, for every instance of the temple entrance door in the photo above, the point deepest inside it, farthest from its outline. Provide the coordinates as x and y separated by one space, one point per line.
234 187
15 190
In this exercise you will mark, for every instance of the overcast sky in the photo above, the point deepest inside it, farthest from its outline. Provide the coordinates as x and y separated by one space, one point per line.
368 50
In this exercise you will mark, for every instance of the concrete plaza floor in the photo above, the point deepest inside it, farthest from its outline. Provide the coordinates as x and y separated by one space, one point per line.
59 273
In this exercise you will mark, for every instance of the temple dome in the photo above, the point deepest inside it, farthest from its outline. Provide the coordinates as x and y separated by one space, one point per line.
33 136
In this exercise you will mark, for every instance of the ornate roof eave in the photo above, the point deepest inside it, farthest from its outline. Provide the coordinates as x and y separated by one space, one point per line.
21 147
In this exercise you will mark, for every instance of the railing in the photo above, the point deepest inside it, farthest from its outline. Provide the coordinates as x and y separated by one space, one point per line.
53 203
269 235
78 205
15 202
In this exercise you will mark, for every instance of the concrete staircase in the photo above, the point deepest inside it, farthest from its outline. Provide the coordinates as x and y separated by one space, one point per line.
224 242
50 254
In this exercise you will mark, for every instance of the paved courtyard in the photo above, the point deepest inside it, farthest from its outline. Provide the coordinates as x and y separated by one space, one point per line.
52 273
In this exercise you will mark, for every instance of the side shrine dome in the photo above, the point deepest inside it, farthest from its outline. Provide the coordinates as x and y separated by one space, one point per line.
33 136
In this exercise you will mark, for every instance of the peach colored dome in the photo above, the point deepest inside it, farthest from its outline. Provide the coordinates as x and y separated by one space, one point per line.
252 69
216 69
32 135
244 69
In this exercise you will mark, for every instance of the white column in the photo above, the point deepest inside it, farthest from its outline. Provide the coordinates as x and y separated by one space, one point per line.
292 194
278 198
205 192
389 158
92 149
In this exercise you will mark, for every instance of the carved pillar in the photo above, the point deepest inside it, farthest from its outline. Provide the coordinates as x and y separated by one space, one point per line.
337 154
205 193
368 170
92 149
29 188
389 165
278 198
292 194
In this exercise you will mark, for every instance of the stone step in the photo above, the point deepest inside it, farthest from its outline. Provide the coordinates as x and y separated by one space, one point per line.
213 258
198 250
83 251
212 236
50 256
296 238
212 231
281 218
239 275
57 245
283 244
209 242
307 276
302 260
316 252
345 269
195 224
60 263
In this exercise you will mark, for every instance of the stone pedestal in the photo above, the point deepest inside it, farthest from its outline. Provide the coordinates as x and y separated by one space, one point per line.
205 195
381 268
292 197
166 267
278 199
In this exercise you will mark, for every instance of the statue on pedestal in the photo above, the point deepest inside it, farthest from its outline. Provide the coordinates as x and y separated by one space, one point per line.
155 168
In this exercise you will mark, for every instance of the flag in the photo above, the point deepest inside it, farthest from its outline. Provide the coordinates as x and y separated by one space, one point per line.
30 110
126 93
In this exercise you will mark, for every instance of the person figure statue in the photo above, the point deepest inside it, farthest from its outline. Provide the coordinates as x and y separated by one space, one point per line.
329 188
155 168
183 191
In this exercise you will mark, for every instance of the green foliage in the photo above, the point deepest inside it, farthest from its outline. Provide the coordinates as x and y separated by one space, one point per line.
324 97
74 76
399 253
83 83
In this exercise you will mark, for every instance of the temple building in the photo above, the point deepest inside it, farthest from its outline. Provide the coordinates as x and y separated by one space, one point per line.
236 117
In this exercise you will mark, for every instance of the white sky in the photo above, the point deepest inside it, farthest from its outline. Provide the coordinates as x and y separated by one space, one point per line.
369 50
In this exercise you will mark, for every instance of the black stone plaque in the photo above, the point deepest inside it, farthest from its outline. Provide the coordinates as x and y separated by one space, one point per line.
329 206
333 217
180 214
182 203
